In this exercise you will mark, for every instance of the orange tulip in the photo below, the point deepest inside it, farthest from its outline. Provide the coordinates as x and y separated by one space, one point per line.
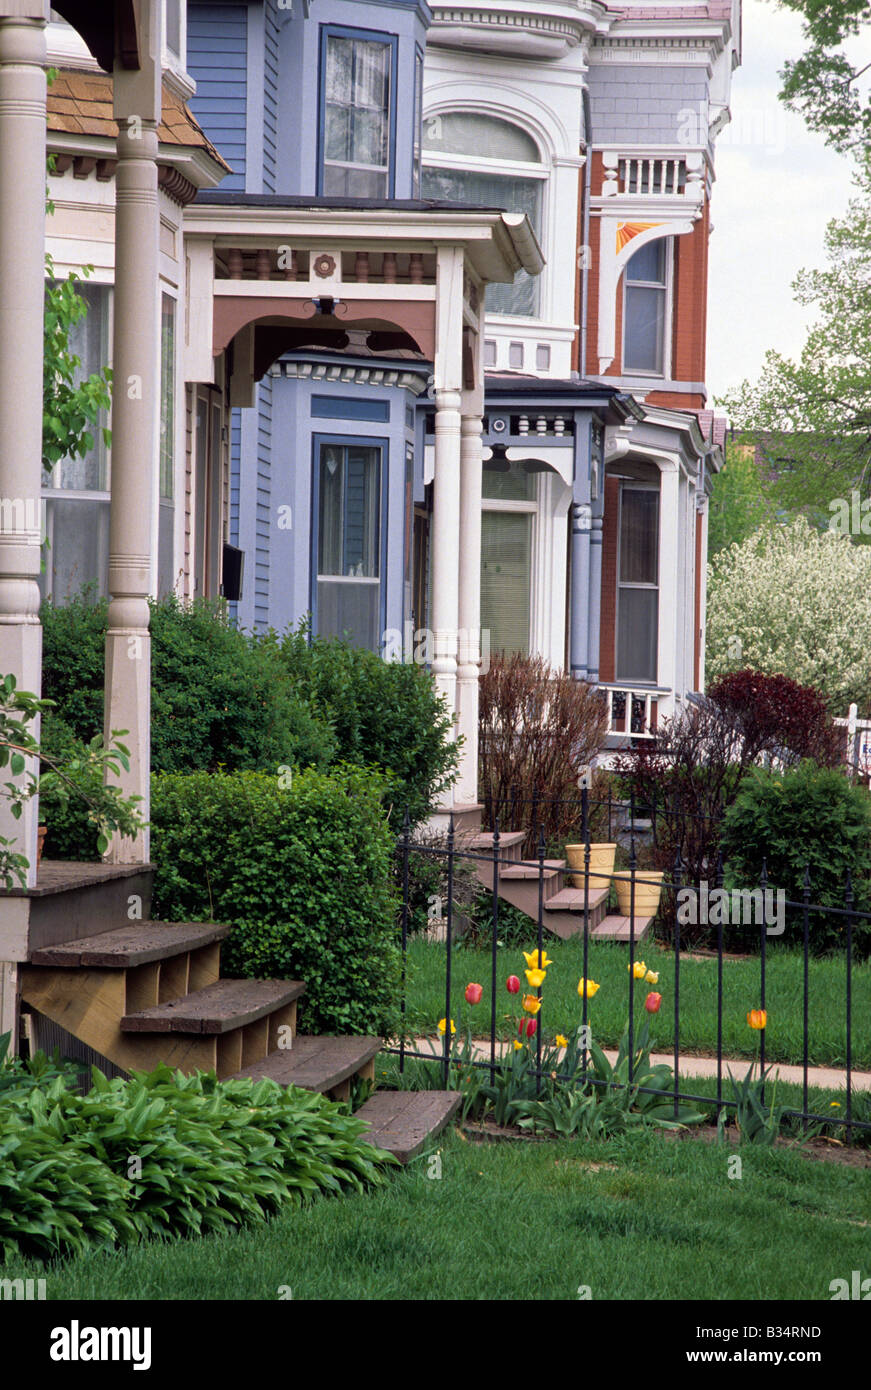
652 1003
758 1019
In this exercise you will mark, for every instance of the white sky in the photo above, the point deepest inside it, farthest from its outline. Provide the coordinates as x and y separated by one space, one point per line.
777 187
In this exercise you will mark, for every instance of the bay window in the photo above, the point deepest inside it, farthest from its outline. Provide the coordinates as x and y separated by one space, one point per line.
348 597
357 80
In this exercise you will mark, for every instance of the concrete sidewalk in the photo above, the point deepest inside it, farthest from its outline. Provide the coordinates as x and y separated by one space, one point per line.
823 1078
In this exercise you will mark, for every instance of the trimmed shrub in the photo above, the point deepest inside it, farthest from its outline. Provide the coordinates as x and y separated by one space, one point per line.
213 1156
304 874
773 714
381 712
219 697
807 815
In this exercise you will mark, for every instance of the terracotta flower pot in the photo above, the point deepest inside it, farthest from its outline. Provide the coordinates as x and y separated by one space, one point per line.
648 887
41 832
601 863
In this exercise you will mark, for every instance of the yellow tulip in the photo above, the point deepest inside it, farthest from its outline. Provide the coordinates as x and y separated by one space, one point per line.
638 970
652 977
587 988
561 1041
517 1045
442 1026
531 1005
537 959
536 977
757 1019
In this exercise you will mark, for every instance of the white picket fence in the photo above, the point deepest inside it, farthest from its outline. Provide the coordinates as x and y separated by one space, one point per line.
858 753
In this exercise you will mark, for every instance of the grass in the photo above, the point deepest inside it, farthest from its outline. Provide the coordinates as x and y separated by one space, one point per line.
642 1218
608 1010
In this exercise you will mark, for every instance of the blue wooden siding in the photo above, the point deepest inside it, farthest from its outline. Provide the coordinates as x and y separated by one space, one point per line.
270 96
217 61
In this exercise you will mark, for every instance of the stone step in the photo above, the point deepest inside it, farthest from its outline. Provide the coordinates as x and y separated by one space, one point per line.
616 928
219 1008
137 943
572 899
403 1121
318 1063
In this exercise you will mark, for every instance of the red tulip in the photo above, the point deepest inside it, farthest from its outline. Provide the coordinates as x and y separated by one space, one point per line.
531 1027
512 984
652 1003
473 994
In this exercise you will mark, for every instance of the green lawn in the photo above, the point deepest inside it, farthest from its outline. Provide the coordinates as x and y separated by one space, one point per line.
642 1218
608 1010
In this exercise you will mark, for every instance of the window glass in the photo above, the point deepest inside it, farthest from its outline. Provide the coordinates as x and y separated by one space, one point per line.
167 395
89 341
638 594
506 567
508 485
645 309
348 560
465 132
173 27
494 191
357 118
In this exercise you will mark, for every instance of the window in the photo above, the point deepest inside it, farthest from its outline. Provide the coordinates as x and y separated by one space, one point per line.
501 167
173 27
76 491
638 585
348 541
645 308
515 356
356 115
509 508
418 119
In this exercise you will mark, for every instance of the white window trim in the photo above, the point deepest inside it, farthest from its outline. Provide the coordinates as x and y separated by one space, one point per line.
639 487
668 317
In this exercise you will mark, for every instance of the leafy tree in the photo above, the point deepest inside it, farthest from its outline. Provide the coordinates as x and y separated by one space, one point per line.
824 85
814 414
740 501
71 405
794 601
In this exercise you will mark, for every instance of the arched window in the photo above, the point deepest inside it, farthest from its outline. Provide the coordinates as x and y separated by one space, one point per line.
469 157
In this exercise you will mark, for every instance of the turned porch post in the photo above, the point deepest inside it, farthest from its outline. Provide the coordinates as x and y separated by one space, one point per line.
22 290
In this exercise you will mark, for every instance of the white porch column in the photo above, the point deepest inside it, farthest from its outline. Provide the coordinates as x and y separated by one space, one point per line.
135 364
670 559
22 288
469 653
702 509
445 545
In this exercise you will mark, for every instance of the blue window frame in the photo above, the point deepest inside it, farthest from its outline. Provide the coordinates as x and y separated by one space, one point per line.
349 538
357 123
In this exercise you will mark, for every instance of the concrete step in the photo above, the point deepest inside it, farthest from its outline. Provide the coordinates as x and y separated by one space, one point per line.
404 1121
615 928
318 1064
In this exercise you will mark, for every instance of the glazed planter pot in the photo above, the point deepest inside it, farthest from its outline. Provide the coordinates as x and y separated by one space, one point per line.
601 863
648 887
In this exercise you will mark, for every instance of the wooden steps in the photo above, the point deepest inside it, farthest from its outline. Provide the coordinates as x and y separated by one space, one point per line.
218 1008
137 944
318 1064
403 1121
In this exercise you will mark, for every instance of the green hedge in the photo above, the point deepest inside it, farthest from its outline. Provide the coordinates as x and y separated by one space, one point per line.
162 1155
381 712
304 875
219 697
807 815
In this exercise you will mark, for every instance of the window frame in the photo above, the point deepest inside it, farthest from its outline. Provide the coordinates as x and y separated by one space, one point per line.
638 486
390 41
666 288
345 441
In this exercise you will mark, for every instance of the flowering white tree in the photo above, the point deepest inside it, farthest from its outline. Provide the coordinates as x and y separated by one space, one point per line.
794 601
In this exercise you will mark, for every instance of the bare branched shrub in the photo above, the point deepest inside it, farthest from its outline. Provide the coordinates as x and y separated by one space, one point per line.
537 729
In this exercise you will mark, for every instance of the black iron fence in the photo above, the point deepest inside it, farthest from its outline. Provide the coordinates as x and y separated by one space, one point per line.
766 934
